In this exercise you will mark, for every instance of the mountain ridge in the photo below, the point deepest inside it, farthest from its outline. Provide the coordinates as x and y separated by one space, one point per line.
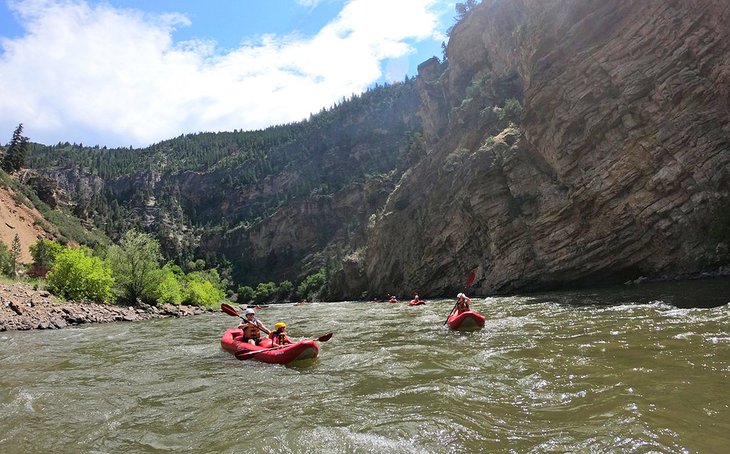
559 143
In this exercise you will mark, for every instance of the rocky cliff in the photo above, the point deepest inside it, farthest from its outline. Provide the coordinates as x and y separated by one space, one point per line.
617 167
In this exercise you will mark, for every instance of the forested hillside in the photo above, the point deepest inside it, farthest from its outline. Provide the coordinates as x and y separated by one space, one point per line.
270 205
557 144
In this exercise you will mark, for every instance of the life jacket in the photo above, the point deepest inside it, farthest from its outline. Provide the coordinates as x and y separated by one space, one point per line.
279 338
251 330
462 306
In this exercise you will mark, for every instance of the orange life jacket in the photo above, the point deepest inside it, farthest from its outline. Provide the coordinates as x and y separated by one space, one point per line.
278 338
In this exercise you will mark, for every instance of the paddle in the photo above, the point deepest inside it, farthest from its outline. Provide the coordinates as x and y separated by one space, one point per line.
230 310
242 355
469 280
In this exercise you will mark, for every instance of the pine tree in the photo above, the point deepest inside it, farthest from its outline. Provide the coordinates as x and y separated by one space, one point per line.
15 156
15 254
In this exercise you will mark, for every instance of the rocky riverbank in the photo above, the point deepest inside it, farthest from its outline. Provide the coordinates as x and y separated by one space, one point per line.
23 308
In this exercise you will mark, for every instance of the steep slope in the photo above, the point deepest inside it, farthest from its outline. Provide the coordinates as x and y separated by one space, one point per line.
275 204
18 219
618 168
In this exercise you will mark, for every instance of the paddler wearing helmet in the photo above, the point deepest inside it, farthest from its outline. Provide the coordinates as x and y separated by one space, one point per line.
252 327
462 303
278 336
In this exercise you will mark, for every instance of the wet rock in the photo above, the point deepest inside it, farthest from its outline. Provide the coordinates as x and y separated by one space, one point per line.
22 309
17 308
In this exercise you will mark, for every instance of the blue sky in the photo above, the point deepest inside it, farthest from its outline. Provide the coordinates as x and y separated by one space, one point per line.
135 72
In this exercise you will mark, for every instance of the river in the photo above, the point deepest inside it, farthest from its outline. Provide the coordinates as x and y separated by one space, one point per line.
627 369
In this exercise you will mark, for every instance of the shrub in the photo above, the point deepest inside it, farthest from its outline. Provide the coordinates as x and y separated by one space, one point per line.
44 254
313 284
6 260
77 275
264 292
167 288
135 261
285 289
201 292
245 294
510 113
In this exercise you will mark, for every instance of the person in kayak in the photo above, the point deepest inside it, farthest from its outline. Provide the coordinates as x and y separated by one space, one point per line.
252 328
462 303
278 336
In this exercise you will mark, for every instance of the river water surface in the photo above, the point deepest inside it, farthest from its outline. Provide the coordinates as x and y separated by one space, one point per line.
618 370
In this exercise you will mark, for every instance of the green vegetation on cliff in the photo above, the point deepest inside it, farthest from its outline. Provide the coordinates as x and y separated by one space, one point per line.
224 197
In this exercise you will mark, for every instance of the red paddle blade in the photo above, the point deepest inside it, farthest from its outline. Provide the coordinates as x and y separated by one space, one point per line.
230 310
325 337
470 278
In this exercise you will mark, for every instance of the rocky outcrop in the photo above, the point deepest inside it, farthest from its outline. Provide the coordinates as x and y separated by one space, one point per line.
299 237
22 308
616 169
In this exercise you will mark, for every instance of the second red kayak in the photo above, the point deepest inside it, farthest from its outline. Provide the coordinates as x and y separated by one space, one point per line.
468 320
304 349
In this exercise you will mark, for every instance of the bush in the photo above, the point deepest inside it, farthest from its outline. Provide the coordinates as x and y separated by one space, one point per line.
44 254
285 290
264 292
201 292
6 260
313 284
245 294
77 275
167 288
135 262
510 113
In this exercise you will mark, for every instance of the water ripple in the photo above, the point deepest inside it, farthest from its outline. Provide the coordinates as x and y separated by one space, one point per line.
561 372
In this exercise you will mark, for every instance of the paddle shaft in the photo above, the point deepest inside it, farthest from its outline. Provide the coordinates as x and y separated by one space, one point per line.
251 354
230 310
469 281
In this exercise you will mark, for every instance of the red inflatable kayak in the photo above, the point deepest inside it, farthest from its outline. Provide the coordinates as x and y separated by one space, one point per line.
304 349
416 302
466 320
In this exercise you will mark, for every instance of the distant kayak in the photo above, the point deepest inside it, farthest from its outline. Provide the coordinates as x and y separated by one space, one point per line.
416 302
468 320
304 349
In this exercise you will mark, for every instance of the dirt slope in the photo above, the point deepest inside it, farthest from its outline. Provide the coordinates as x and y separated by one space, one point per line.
18 219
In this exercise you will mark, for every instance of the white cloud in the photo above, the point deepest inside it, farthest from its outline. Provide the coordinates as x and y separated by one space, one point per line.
96 74
309 3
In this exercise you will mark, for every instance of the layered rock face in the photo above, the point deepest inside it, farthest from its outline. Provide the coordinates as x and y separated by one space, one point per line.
616 169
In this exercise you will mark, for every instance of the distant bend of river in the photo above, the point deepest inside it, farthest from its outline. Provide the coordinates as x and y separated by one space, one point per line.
629 369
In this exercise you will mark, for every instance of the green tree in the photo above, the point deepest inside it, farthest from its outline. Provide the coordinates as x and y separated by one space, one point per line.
510 113
167 288
15 251
135 261
201 292
6 260
77 275
17 151
245 294
313 284
264 292
285 289
44 253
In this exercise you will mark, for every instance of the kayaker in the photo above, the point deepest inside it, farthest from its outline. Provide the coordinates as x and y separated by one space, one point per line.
252 327
462 303
278 336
